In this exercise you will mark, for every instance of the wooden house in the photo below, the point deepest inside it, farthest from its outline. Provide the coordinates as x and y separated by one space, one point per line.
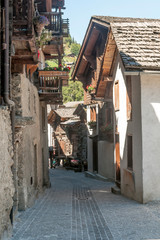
127 81
69 131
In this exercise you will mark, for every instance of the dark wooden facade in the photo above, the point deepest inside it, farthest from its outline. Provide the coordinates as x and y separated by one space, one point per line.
25 48
69 137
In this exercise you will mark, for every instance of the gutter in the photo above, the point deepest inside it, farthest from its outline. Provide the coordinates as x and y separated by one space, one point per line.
139 73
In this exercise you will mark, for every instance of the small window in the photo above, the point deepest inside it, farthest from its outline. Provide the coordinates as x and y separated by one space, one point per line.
116 93
129 97
129 152
93 114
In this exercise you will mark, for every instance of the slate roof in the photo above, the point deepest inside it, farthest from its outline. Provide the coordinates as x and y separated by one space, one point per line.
138 40
66 112
73 104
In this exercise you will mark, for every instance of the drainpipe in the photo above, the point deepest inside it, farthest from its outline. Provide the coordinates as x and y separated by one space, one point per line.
6 99
6 89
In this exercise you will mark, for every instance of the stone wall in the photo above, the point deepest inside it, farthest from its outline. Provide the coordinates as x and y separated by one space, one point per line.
6 161
31 141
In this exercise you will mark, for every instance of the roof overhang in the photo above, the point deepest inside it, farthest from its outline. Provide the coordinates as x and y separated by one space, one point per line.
87 47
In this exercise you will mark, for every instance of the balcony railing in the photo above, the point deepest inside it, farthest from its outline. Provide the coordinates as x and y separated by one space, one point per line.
50 85
57 25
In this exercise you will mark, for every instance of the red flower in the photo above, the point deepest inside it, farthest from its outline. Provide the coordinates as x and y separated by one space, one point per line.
55 68
38 54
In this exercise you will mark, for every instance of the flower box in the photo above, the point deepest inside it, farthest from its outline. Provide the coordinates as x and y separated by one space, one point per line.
92 124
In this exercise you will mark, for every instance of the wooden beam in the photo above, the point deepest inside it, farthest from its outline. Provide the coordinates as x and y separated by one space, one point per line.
107 79
91 59
25 52
92 41
23 61
48 57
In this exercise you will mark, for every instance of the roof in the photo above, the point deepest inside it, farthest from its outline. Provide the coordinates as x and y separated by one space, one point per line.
65 112
73 104
138 40
71 122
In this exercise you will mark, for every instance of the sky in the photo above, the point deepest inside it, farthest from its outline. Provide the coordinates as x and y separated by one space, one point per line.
79 12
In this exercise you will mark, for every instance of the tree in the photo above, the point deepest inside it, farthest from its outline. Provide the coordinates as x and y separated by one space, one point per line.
74 92
75 47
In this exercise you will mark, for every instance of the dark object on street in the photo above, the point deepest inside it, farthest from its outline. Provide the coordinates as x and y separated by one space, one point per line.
72 163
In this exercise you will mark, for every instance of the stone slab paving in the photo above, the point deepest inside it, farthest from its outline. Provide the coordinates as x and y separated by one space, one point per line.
80 208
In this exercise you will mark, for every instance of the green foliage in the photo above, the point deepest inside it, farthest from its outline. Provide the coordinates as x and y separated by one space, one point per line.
74 92
52 63
75 47
45 37
68 40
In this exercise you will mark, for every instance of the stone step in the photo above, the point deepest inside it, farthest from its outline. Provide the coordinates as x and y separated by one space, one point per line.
116 190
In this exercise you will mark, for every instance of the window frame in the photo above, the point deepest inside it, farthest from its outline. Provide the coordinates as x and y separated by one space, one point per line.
129 98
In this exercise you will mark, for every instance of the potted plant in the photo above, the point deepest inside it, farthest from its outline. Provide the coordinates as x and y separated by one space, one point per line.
59 68
40 22
92 124
90 88
108 128
44 38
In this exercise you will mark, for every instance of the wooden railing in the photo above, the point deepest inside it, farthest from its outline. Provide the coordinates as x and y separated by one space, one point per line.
51 82
65 27
23 11
57 25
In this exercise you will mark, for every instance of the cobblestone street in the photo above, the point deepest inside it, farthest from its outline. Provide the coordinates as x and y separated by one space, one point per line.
80 208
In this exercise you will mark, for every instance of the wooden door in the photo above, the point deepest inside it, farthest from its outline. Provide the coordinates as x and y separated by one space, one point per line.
118 174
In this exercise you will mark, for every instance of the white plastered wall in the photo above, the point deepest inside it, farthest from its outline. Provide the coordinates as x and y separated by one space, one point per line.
131 180
150 101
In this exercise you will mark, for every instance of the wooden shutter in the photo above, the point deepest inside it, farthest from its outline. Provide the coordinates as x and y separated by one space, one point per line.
93 114
116 90
129 97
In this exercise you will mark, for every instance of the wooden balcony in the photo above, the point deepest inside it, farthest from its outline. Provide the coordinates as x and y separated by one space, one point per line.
44 6
57 25
23 38
58 3
23 12
54 48
50 85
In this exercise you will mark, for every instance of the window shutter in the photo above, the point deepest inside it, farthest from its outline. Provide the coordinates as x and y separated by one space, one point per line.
129 97
116 87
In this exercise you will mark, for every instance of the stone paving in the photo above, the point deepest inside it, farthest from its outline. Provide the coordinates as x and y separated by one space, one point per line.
80 208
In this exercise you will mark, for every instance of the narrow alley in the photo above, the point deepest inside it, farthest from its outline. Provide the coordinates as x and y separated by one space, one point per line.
81 208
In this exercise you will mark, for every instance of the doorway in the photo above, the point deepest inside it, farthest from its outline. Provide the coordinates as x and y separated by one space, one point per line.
117 152
95 155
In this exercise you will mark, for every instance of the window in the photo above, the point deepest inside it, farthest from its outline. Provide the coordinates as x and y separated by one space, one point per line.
93 114
116 93
129 97
129 152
